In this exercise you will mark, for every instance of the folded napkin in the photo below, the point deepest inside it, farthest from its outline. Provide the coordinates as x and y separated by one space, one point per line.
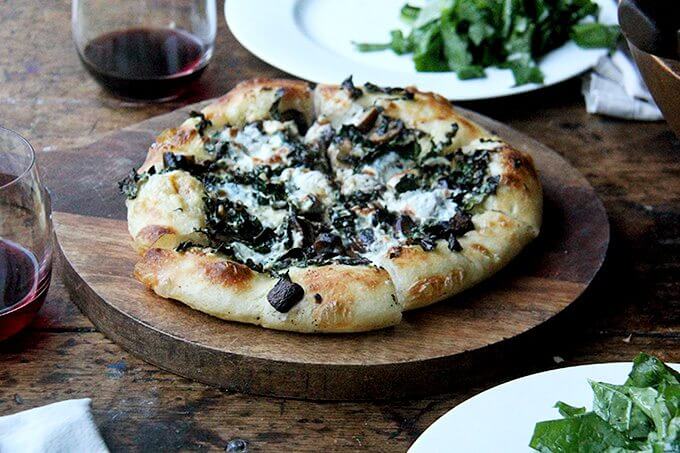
65 427
615 88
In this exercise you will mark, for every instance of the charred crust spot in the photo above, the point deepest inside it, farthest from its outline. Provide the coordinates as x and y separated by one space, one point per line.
517 166
285 294
512 180
147 270
317 298
184 136
336 278
481 249
408 255
371 277
433 288
228 274
156 257
151 233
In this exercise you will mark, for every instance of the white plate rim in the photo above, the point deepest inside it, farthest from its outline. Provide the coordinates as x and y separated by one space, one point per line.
416 448
280 15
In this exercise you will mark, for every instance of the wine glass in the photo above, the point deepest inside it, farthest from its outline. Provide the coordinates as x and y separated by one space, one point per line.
144 49
25 235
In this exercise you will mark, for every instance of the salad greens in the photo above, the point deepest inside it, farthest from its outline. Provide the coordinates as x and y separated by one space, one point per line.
642 415
467 36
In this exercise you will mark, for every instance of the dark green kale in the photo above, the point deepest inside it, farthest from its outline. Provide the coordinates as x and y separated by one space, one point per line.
312 157
342 219
172 161
399 92
203 123
387 134
229 221
406 183
293 115
187 245
129 186
352 91
360 198
268 191
480 192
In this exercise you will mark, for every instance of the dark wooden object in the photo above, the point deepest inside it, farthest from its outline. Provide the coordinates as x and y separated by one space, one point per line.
417 357
653 33
634 305
662 77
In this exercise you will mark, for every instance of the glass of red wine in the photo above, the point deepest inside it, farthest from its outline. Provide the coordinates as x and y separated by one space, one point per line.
144 50
25 235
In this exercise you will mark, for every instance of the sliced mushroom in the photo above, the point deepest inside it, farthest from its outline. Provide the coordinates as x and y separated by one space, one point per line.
367 119
285 294
385 130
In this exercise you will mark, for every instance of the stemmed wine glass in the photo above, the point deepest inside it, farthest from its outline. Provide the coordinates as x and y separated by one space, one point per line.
144 49
25 235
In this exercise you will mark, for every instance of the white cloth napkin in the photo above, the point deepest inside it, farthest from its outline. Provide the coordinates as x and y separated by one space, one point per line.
615 88
62 427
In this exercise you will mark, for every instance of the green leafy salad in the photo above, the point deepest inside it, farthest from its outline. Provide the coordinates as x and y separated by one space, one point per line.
642 415
467 36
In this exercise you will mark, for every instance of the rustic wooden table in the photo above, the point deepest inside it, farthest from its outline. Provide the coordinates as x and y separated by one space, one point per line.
634 305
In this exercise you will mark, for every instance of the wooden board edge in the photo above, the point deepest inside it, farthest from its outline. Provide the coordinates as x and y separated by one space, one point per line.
317 382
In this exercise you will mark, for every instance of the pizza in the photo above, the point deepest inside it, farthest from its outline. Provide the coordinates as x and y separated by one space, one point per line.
325 208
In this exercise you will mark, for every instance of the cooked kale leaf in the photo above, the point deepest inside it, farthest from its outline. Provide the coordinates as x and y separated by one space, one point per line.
203 122
129 186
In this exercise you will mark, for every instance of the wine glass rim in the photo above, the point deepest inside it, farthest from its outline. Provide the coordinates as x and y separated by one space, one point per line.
31 164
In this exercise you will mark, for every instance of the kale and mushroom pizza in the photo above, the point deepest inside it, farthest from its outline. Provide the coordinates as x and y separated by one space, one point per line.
327 208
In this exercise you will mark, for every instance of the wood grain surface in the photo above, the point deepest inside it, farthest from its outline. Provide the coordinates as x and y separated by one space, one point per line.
633 306
428 352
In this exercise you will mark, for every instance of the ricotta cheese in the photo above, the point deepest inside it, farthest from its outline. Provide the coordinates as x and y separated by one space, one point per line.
307 187
422 205
357 182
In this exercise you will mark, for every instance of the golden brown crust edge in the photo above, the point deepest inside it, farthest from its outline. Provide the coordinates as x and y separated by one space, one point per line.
337 299
519 193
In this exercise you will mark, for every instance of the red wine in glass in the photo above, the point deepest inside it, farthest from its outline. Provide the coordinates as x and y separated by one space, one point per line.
145 63
23 286
25 235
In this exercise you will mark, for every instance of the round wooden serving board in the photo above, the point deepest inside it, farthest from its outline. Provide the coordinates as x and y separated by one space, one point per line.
432 349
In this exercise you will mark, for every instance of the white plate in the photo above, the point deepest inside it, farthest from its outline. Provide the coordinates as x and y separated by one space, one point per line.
502 418
312 39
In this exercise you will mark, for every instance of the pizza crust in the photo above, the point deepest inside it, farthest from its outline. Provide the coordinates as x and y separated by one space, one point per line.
350 298
353 298
168 208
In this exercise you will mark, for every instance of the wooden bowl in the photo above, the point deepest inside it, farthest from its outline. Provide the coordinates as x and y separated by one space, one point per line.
662 77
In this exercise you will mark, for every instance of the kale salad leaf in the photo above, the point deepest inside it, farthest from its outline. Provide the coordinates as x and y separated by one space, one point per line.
467 36
642 415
